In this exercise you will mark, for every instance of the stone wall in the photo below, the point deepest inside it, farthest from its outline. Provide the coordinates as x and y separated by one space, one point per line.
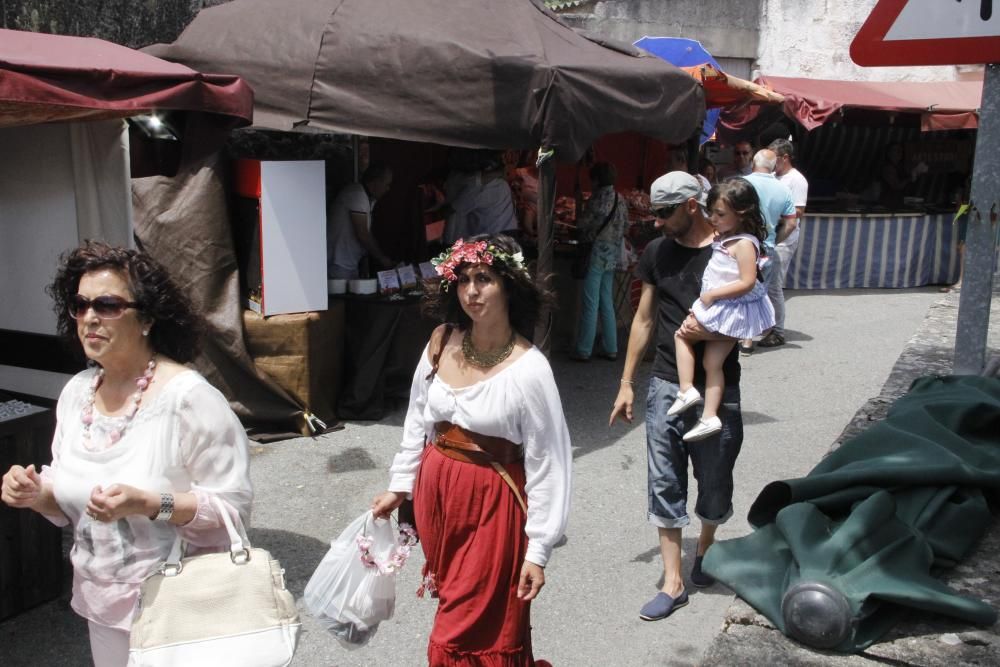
812 38
727 28
133 23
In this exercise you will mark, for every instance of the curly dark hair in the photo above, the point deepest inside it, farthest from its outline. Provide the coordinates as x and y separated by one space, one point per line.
525 296
740 195
177 328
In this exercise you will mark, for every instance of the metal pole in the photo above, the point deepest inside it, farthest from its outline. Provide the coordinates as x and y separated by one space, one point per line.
356 151
546 241
980 251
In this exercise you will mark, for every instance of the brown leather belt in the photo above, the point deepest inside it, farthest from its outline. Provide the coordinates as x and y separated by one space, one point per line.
476 447
459 444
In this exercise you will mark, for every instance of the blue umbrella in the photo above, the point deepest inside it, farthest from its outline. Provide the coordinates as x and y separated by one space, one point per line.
682 52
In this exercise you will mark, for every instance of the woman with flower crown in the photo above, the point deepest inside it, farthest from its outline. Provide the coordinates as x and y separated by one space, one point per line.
485 456
144 446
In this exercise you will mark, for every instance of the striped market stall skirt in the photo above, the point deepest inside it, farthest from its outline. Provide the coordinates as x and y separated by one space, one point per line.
895 251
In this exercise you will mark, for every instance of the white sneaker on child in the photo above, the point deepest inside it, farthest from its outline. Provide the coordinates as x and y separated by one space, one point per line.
685 399
705 428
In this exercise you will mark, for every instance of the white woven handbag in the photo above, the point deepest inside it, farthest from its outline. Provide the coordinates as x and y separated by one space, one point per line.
228 608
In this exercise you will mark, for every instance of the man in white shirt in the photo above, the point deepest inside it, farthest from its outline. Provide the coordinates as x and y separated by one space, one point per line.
349 220
483 207
793 179
779 213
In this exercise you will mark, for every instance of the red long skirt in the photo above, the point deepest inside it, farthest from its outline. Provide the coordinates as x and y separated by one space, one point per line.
472 531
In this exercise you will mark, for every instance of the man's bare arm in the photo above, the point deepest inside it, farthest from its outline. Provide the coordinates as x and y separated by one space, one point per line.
360 223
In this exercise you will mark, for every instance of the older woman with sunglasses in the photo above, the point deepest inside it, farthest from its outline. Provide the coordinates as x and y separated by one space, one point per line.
142 445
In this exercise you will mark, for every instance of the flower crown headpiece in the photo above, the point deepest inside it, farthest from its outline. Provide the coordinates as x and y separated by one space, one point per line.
473 252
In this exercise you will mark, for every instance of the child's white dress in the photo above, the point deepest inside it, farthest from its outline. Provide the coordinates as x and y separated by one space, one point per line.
741 317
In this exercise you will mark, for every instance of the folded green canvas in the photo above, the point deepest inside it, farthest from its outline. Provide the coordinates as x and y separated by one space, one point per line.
868 529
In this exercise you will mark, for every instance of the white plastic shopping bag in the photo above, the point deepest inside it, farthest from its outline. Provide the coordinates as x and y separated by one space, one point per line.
354 587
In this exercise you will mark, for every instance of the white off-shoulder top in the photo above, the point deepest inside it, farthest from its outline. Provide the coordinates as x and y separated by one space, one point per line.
520 403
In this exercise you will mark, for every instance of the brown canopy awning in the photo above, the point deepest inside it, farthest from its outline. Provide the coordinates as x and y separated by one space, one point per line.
498 74
46 78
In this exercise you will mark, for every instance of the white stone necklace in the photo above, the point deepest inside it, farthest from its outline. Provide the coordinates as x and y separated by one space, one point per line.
87 414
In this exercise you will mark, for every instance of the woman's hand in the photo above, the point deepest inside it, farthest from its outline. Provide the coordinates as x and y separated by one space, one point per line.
385 503
707 299
22 487
119 501
532 580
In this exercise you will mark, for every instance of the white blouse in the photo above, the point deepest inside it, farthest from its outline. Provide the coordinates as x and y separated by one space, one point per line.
186 439
520 403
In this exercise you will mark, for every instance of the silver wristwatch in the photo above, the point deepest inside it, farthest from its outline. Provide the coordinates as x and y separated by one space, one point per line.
166 507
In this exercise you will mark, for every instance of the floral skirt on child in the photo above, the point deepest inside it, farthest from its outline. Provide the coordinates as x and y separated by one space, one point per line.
743 317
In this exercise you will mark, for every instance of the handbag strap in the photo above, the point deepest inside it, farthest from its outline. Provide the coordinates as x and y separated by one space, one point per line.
607 220
239 542
436 359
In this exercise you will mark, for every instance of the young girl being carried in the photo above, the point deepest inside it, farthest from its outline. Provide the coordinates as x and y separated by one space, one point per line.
733 304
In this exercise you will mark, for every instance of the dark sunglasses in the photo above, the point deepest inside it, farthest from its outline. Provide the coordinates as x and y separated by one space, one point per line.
108 307
665 212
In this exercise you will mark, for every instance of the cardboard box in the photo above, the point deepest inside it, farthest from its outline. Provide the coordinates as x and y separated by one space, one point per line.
303 354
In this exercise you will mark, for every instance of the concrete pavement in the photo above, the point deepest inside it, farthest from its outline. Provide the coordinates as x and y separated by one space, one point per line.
796 400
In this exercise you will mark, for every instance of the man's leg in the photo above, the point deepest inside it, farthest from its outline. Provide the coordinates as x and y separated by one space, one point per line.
706 538
714 460
586 328
786 251
667 461
609 323
776 294
670 550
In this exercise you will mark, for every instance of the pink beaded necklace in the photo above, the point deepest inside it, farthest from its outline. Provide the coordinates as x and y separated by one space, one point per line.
87 414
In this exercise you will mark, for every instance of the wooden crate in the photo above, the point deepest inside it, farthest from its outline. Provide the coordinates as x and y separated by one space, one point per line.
30 546
303 354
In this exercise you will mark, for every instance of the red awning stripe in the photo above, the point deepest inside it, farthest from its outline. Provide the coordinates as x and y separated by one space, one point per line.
813 101
45 78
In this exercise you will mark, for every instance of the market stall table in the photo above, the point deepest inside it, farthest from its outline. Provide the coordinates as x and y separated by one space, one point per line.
891 250
30 546
383 341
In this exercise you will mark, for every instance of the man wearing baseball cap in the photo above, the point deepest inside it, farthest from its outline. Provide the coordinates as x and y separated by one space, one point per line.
670 269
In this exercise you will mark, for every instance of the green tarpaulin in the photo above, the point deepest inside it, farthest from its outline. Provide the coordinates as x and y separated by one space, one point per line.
880 516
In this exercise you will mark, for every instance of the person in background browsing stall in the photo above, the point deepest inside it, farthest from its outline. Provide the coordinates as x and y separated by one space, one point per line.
349 224
779 213
792 178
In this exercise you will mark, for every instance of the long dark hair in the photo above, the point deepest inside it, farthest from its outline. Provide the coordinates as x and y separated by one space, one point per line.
177 328
525 296
740 195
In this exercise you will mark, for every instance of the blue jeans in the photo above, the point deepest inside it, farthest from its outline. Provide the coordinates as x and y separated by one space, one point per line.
667 458
597 299
773 276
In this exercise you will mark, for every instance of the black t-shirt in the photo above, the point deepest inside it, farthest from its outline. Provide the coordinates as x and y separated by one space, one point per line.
675 270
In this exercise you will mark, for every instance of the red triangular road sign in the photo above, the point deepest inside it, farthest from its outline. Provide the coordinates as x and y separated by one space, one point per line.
929 32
